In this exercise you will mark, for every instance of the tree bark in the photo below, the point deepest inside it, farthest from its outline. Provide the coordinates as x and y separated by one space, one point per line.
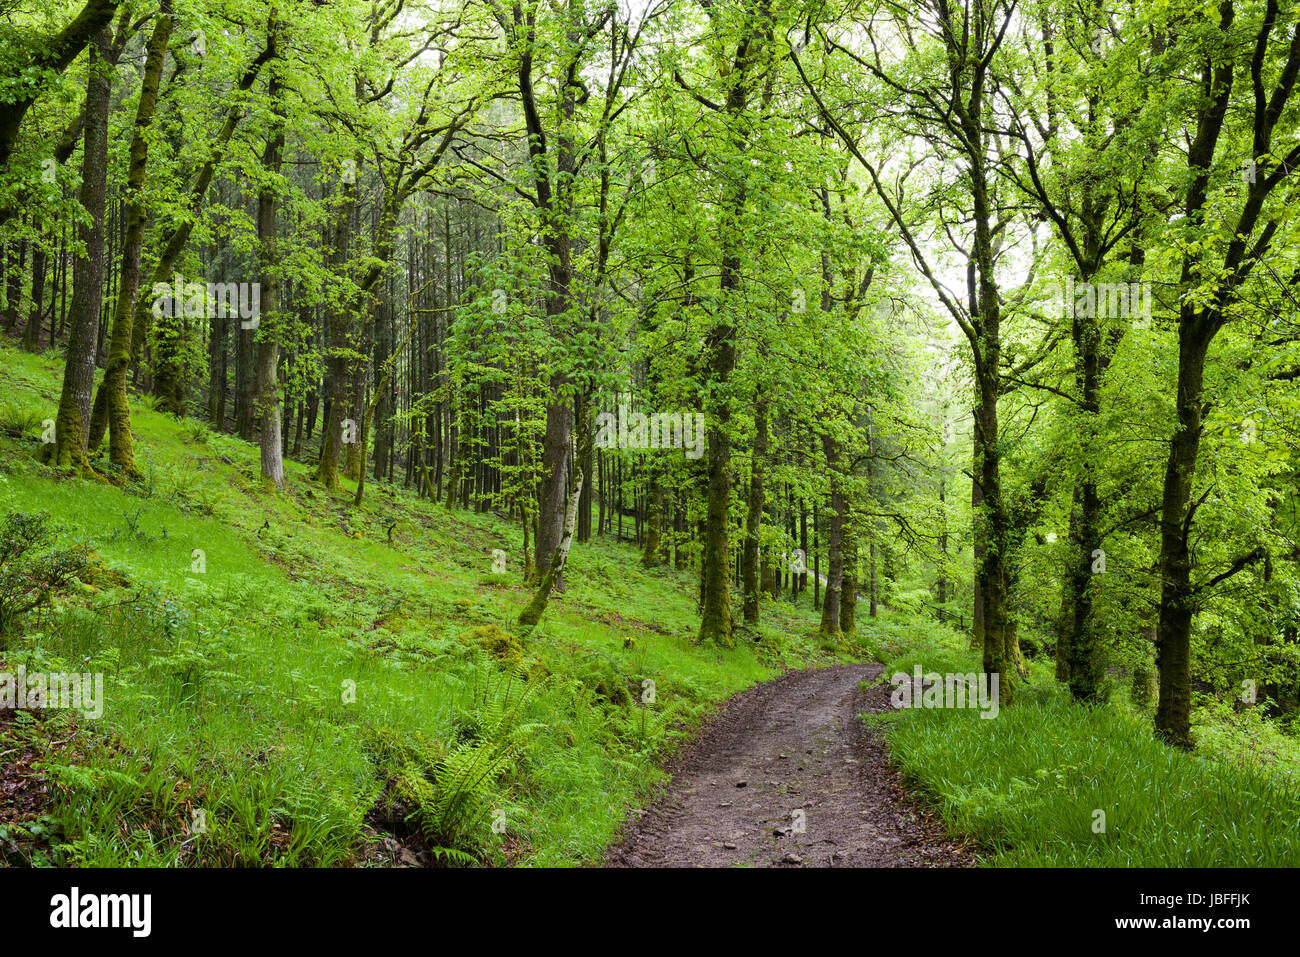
112 409
266 406
830 623
72 427
849 574
751 583
1173 634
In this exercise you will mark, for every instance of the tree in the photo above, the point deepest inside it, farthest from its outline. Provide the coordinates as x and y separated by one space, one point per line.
1213 276
73 423
111 408
33 60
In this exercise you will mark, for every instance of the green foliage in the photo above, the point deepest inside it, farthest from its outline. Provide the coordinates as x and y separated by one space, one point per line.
223 688
32 573
18 420
1028 783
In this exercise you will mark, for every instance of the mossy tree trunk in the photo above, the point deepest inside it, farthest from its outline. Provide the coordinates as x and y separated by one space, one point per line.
873 586
715 563
72 426
339 346
354 453
849 578
112 410
830 623
991 573
532 614
977 593
720 342
751 583
650 557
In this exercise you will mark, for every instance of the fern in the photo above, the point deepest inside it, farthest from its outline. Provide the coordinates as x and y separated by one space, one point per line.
454 855
451 792
464 781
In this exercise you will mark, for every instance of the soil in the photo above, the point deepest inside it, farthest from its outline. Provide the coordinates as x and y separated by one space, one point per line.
786 775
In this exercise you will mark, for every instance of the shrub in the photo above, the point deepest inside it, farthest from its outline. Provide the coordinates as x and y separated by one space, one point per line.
31 573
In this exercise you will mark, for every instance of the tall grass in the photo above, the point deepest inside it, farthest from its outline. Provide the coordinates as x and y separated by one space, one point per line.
1053 783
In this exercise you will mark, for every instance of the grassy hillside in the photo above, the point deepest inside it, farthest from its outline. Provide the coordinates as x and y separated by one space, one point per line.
292 681
1052 783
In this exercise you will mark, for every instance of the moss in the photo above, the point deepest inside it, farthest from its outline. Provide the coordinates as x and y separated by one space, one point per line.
1143 690
615 692
500 644
99 575
537 670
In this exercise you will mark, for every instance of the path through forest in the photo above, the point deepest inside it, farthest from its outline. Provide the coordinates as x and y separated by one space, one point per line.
785 775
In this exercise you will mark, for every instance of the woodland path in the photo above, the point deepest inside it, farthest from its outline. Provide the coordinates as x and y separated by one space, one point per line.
790 745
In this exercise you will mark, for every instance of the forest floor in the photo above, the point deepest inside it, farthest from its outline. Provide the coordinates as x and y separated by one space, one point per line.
304 683
285 675
786 775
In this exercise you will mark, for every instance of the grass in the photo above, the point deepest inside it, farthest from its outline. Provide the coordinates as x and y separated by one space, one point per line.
291 681
309 696
1051 783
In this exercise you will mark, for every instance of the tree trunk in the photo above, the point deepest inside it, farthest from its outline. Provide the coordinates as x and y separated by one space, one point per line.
751 583
991 573
112 409
849 576
1177 606
830 624
555 565
336 331
36 318
72 427
267 404
650 557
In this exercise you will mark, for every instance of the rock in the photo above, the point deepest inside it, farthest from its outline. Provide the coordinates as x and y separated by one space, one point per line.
729 846
792 859
741 784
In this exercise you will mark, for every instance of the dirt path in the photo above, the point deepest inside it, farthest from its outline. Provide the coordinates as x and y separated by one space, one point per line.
786 776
